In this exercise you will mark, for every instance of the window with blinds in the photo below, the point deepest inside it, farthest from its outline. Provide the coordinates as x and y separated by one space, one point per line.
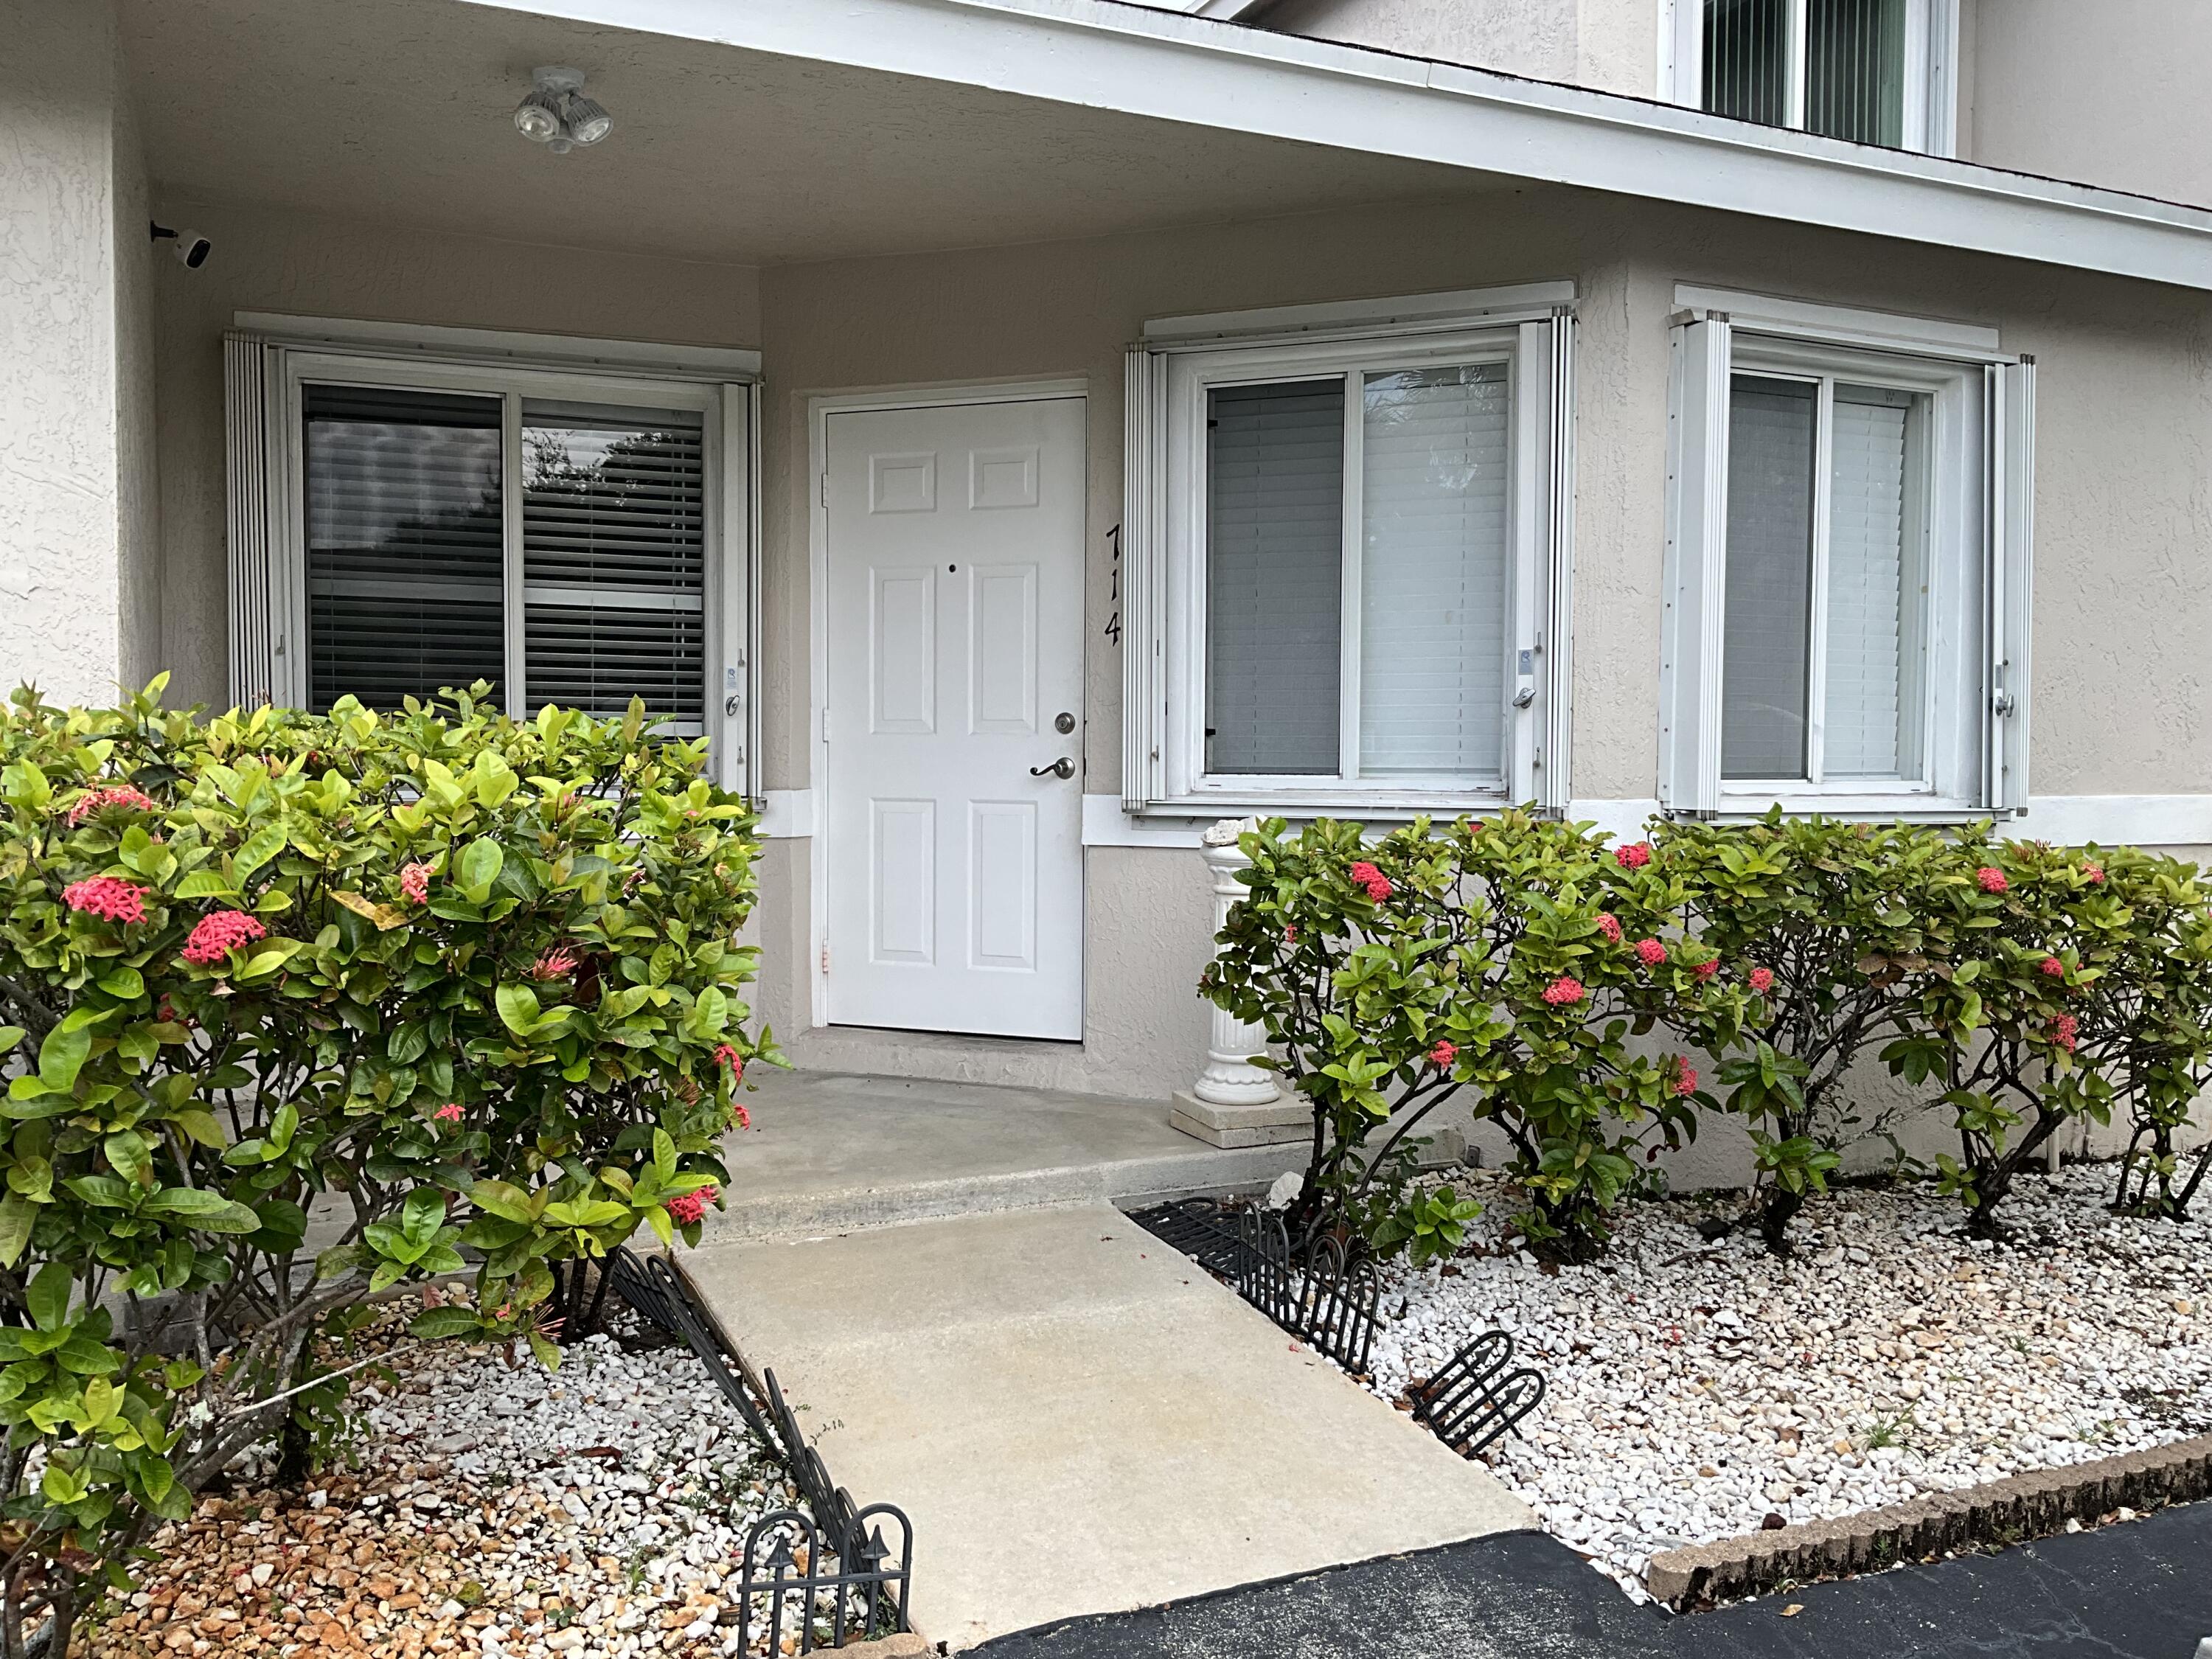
406 558
1836 67
1428 564
1274 577
614 559
1433 572
1826 598
411 560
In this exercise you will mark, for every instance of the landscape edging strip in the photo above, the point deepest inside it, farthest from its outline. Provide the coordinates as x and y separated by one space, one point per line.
2032 1504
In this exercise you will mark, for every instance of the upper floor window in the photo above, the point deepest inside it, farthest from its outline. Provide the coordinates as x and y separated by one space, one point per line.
1872 71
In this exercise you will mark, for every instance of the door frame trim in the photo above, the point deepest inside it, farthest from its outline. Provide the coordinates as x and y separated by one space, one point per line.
819 408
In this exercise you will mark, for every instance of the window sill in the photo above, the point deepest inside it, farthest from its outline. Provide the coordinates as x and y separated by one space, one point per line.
1909 806
1398 803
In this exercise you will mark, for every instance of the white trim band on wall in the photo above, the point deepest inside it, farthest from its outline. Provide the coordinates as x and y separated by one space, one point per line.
2111 820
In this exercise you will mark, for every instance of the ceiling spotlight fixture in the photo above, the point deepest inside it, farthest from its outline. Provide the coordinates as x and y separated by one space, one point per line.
556 113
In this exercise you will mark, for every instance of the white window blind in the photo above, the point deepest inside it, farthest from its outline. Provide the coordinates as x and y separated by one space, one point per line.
614 559
1772 435
1842 68
404 543
1274 577
1436 519
1855 69
1875 587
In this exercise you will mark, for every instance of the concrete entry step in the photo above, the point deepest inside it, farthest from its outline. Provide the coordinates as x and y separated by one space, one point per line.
832 1152
1077 1418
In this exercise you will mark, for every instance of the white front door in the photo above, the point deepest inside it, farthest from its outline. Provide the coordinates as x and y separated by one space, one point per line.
955 551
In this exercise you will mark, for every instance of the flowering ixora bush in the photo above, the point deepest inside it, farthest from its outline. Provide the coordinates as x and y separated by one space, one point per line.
299 1007
1504 964
1509 966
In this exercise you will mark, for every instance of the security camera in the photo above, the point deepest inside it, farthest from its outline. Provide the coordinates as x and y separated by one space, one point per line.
190 247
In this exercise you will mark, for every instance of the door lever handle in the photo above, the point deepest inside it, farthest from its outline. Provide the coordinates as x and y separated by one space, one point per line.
1062 768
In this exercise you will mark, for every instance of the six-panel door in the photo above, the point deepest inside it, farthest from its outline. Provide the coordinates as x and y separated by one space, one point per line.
955 549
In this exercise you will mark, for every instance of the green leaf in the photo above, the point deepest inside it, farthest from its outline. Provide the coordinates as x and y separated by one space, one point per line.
507 1203
206 884
47 1298
263 844
17 1216
200 1124
479 867
63 1054
131 1155
439 1324
517 1008
127 984
197 1207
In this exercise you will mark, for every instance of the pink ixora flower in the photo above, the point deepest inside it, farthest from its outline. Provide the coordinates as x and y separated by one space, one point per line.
728 1056
1564 991
110 898
415 884
1762 979
1443 1055
1634 856
448 1113
1708 967
2095 873
1685 1078
214 937
2053 966
1289 933
1609 925
1650 952
1992 878
1377 884
555 965
96 800
687 1207
2064 1032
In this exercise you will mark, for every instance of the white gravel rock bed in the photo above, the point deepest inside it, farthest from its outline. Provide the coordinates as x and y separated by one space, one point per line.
1696 1389
494 1509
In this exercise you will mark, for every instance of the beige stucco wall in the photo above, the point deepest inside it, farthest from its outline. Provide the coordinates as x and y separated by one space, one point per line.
2110 92
1611 44
335 265
75 382
2123 497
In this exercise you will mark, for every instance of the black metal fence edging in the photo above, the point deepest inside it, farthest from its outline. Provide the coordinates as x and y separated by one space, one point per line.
1318 1296
791 1559
1474 1398
1312 1291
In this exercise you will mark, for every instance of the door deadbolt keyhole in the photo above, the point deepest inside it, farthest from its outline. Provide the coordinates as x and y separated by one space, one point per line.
1063 724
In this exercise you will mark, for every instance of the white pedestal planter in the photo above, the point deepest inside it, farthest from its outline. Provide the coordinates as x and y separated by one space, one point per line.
1235 1103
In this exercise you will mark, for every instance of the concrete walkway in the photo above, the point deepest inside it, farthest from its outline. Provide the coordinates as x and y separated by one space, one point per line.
1077 1418
832 1152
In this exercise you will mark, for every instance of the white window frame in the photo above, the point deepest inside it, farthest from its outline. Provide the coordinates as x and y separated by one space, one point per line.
1930 77
1529 328
268 371
1980 530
